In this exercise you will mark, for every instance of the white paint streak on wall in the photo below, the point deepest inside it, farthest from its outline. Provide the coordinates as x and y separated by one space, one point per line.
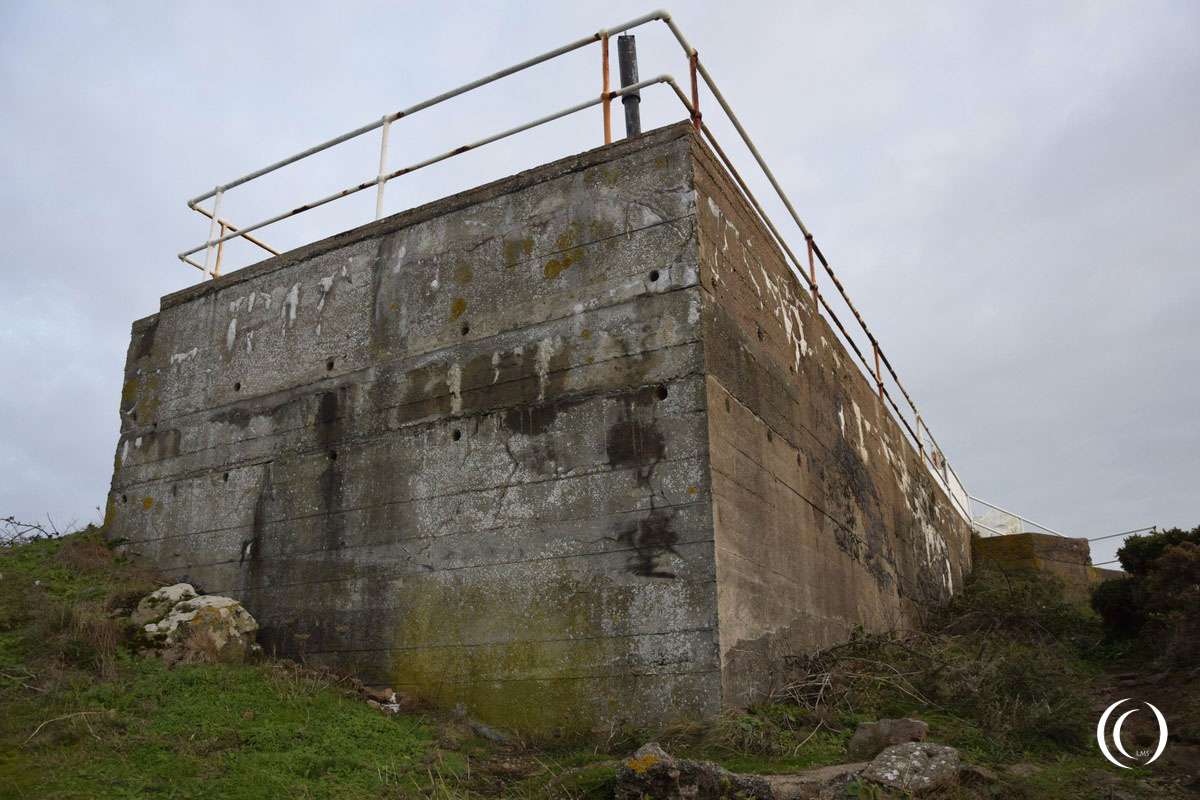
287 311
862 441
231 334
179 358
693 312
454 383
496 367
789 314
326 286
541 364
398 258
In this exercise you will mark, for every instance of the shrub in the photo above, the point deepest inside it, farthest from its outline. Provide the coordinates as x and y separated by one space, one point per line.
1158 605
1139 553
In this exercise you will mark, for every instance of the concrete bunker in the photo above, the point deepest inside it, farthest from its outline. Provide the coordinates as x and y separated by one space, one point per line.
572 449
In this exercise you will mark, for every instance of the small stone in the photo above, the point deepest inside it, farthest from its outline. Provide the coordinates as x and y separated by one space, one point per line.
380 695
373 704
1023 770
872 737
975 775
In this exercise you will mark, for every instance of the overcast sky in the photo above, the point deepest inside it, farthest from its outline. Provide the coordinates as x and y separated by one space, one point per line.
1008 190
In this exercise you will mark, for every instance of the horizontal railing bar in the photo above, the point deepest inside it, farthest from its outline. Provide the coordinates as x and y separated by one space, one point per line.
429 161
441 98
1122 533
1018 516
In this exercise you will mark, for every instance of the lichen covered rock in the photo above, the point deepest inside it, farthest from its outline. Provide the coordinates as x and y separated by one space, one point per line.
915 767
205 626
652 772
158 603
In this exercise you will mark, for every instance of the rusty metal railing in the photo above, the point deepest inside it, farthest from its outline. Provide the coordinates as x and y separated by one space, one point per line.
221 230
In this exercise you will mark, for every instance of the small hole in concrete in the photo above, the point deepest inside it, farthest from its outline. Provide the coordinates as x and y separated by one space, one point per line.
225 477
237 387
653 274
124 498
792 367
770 436
333 455
329 365
760 334
456 435
466 328
727 406
133 416
661 393
174 491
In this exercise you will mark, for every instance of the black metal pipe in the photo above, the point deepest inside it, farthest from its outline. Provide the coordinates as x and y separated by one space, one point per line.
627 58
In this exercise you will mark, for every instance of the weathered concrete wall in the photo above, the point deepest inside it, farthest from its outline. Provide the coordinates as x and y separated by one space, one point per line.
525 447
461 451
1068 559
824 517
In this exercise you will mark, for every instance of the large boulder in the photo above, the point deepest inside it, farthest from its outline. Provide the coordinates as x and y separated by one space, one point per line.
651 772
872 737
158 603
915 767
205 627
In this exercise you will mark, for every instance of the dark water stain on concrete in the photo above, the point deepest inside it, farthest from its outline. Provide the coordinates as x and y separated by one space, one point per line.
651 538
252 549
634 443
531 420
331 482
854 489
145 342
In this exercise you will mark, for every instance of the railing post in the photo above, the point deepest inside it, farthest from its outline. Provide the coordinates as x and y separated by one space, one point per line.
604 88
627 61
212 231
383 143
695 90
220 250
920 441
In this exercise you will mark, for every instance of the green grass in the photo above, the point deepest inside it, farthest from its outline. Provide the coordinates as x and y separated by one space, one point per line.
205 730
1001 673
84 718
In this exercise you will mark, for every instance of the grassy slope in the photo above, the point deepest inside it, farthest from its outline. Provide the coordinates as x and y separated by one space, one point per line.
1005 679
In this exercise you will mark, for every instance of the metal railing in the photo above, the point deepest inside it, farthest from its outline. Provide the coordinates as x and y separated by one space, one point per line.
1004 522
878 369
997 521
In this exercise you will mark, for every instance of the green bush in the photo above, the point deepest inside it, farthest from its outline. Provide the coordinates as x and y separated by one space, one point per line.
1139 553
1158 605
1121 605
